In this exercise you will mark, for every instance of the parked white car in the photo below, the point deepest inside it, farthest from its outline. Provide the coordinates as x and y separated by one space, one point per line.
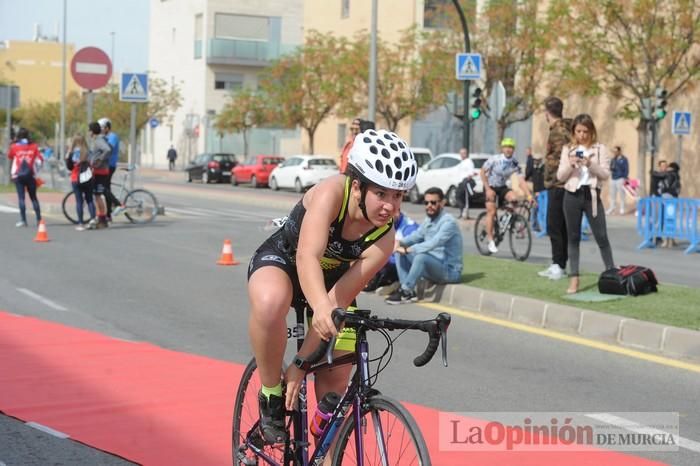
443 172
302 171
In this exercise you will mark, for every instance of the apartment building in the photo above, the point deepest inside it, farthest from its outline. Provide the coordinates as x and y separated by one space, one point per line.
209 49
35 66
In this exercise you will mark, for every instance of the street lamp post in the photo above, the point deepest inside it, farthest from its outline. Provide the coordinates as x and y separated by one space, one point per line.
467 49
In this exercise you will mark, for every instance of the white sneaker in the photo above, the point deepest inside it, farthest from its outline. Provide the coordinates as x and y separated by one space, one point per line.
21 223
557 272
492 247
622 211
118 210
92 224
610 211
547 272
80 228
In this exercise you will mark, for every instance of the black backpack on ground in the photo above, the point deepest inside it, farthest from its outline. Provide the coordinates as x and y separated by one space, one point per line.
631 280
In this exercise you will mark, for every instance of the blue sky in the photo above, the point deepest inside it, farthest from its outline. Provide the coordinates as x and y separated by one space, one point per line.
89 24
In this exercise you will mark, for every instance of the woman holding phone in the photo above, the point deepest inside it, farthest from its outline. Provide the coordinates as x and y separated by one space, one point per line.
583 167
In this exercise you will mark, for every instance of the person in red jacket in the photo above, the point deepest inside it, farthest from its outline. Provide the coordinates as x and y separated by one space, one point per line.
26 161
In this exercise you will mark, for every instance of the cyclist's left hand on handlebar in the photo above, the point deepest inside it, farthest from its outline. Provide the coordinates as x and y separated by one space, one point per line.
323 324
292 378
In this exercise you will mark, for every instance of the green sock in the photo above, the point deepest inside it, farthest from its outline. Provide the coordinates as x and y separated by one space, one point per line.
276 390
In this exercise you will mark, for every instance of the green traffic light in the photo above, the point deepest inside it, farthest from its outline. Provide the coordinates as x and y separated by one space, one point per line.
660 114
476 113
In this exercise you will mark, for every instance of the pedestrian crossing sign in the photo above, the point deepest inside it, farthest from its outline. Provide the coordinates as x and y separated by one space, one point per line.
468 66
681 123
134 87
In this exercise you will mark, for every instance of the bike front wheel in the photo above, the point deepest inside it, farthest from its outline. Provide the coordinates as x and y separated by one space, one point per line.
520 237
70 209
245 423
389 435
140 206
481 237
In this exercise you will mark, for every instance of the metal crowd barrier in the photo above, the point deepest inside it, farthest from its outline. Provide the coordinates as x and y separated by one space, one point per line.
675 218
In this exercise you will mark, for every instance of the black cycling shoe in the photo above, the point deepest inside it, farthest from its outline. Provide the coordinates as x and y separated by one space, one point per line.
272 419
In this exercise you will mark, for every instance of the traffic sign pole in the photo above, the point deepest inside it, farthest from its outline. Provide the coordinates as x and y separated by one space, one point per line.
90 104
132 144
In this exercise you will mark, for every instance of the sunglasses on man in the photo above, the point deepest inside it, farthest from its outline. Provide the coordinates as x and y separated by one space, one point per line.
431 202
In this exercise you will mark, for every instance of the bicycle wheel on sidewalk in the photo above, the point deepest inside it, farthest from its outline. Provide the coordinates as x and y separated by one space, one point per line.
140 206
69 207
390 436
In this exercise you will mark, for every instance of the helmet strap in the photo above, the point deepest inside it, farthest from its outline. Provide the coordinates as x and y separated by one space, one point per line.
363 195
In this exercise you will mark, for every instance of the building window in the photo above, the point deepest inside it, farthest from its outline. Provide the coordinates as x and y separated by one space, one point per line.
228 81
344 8
227 26
342 130
198 35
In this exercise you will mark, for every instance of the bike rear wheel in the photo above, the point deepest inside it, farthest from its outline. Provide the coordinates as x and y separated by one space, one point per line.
390 436
140 206
481 237
520 237
69 207
245 419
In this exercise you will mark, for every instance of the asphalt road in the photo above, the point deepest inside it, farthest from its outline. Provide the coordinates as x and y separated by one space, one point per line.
159 283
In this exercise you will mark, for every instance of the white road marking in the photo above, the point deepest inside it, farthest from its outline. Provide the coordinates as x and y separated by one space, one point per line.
41 299
8 209
48 430
642 429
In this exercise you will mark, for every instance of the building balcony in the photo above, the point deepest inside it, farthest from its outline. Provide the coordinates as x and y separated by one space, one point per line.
243 52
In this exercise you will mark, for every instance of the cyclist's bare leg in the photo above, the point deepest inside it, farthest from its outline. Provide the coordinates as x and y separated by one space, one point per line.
100 204
332 380
270 294
490 216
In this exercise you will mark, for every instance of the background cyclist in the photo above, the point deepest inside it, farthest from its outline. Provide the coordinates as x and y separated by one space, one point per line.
333 242
495 174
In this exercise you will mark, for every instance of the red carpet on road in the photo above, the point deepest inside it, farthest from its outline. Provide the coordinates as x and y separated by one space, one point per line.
160 407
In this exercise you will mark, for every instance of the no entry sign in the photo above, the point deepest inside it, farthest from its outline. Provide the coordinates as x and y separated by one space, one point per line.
91 68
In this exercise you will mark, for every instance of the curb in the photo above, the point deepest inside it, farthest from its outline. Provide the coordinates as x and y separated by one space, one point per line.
632 333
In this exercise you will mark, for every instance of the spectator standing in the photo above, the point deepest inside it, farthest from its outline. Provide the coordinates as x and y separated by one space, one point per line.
619 169
113 140
585 165
535 176
466 183
172 156
559 136
671 188
77 163
100 153
26 162
388 275
433 251
353 131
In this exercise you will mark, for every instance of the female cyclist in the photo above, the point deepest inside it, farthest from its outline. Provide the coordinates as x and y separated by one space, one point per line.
333 242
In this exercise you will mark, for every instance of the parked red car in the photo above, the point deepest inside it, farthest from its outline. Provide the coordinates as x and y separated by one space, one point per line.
255 170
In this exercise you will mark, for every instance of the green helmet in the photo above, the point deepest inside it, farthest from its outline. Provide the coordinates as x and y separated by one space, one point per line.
508 142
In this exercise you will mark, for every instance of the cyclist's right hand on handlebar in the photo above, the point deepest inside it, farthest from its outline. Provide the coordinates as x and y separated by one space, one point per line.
323 323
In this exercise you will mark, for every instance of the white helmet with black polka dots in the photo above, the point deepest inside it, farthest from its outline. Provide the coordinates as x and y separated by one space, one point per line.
384 159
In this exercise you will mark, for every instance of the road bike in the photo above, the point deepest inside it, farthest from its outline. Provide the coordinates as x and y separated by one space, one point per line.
507 221
366 427
140 205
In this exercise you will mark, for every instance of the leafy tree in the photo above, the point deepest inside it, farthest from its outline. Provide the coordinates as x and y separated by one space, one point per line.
627 49
303 88
514 42
244 110
414 75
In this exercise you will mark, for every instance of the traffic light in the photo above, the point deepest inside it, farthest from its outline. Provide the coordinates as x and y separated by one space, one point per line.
660 104
476 104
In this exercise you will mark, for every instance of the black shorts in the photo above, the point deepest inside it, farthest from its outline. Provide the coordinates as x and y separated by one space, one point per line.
501 193
276 252
101 184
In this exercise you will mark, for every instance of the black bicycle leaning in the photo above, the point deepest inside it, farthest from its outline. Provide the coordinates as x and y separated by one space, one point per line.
507 221
140 205
379 430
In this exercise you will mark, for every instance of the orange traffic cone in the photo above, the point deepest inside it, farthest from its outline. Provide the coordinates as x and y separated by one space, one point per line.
227 255
41 236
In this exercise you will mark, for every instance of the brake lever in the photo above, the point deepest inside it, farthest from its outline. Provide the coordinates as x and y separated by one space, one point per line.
329 351
443 344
